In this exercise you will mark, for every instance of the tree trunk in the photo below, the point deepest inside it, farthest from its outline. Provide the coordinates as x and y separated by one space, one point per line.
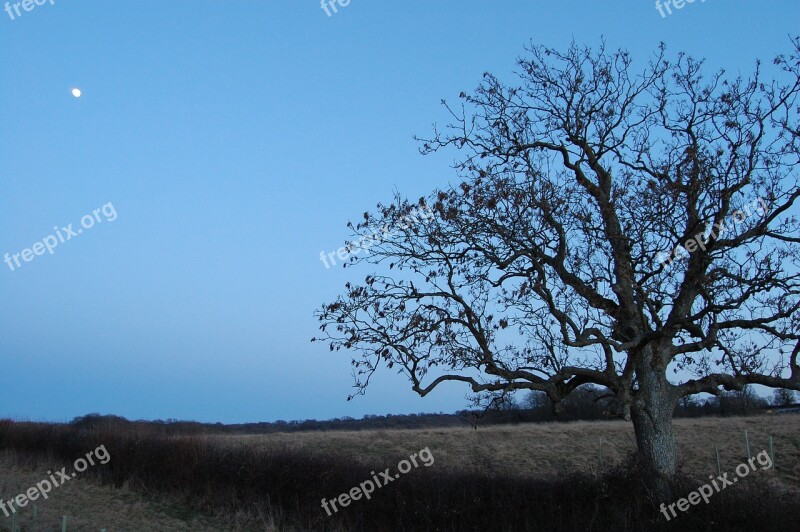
651 413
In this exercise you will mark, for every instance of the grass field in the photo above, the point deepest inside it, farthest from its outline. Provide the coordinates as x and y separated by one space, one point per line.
275 481
89 505
548 449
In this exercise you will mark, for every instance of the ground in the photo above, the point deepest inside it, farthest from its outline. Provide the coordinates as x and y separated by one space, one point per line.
539 450
551 448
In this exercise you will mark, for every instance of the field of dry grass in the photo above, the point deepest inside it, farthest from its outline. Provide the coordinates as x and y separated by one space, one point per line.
539 451
90 506
548 449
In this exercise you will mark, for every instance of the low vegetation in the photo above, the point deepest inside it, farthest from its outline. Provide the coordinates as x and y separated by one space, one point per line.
527 477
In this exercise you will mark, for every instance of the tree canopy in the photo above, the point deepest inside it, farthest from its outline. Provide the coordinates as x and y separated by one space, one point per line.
577 180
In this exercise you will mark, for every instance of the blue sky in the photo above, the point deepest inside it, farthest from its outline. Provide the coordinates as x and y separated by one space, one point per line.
234 141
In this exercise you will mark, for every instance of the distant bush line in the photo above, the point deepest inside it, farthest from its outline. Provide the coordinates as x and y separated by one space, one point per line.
587 403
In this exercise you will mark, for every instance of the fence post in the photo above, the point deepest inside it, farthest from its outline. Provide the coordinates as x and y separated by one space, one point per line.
747 444
719 467
64 524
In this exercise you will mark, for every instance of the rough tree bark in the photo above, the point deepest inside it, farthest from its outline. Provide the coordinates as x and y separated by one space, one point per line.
651 413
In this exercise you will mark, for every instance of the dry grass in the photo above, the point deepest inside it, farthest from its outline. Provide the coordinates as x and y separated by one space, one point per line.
90 506
548 449
533 451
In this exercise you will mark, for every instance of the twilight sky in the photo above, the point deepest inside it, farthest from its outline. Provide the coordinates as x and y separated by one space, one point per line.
223 145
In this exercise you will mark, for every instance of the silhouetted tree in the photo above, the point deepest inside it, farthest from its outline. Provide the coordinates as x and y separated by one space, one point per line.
741 402
557 261
783 397
536 401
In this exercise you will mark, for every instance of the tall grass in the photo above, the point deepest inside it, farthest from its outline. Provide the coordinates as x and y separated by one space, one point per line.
219 480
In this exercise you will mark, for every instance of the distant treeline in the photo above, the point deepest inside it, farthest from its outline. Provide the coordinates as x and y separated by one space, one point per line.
174 426
585 403
591 402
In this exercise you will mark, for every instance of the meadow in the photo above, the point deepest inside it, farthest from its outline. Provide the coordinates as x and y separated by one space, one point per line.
547 450
553 476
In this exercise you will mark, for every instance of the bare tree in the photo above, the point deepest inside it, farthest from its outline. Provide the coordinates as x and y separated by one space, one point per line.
741 402
783 397
686 402
611 226
536 400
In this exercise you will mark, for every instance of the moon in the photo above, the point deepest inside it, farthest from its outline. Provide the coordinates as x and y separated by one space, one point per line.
76 93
